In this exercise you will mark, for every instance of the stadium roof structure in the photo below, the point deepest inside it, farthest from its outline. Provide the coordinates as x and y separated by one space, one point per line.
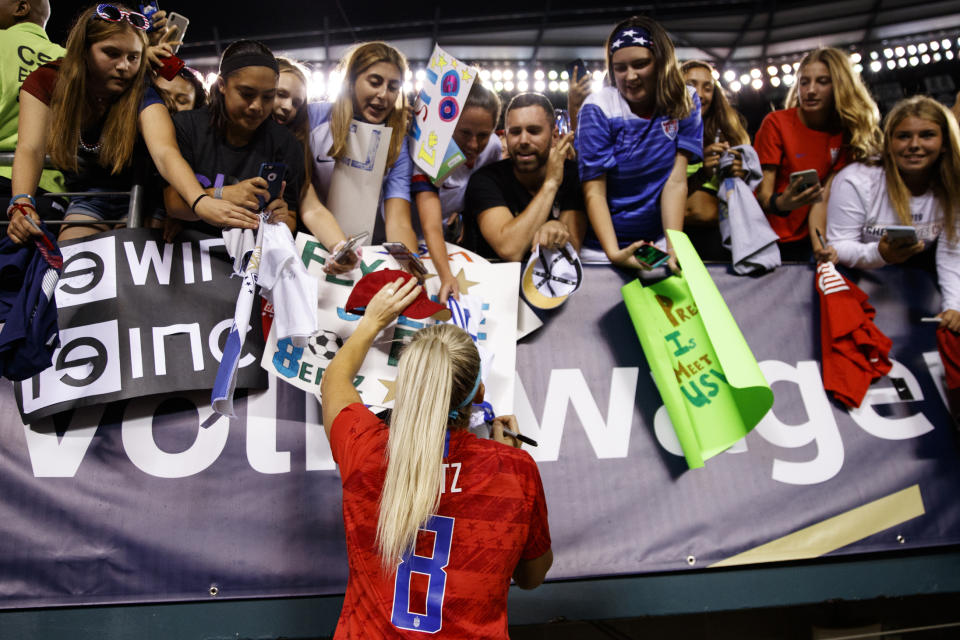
725 32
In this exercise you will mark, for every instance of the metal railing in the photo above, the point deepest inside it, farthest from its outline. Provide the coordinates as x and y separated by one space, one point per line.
134 217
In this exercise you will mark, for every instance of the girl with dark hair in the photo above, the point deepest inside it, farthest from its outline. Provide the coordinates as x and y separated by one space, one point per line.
183 93
634 140
917 185
469 531
290 110
438 209
88 108
829 121
227 141
373 93
722 128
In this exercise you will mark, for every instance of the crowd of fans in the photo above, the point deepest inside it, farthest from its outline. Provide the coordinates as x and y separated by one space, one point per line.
650 153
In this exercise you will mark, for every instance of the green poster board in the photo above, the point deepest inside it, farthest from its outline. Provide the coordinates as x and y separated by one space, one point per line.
706 374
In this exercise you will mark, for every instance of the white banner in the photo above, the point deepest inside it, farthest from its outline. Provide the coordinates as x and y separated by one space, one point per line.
495 285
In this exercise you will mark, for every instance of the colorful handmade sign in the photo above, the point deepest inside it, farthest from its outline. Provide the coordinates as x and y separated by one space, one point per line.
496 285
706 374
445 89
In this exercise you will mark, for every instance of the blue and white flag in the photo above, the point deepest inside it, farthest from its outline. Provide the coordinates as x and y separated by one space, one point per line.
221 398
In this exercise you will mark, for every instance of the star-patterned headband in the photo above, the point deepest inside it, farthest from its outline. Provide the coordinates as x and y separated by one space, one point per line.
631 37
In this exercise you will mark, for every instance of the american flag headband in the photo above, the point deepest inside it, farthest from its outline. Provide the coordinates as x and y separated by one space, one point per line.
631 37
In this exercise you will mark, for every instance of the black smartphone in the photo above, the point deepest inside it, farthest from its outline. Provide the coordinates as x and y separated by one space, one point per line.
581 70
650 257
408 260
273 173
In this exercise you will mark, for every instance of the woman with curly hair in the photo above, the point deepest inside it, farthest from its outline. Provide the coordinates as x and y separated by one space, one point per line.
829 121
634 140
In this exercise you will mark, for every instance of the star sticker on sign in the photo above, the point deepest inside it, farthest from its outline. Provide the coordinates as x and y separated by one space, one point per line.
463 283
391 386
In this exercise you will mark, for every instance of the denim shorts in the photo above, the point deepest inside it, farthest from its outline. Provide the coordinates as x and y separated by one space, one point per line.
100 207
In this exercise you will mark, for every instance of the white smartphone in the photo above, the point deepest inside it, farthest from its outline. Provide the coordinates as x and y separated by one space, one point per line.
181 23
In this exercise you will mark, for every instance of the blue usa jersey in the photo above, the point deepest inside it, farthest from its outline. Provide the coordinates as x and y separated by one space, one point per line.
636 155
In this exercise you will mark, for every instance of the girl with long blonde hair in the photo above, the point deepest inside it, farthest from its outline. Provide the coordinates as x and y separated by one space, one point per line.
916 185
372 92
87 110
290 110
424 494
722 128
646 123
829 121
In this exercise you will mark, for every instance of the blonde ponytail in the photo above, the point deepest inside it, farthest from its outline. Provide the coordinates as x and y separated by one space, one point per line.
435 374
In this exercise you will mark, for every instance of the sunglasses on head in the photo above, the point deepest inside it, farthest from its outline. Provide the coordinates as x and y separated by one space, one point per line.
114 14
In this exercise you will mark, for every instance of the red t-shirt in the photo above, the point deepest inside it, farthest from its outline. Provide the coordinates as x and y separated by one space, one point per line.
784 141
492 513
854 352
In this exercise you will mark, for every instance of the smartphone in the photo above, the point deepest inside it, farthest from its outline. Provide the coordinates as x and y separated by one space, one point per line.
148 9
409 261
650 257
901 234
273 173
562 119
342 255
581 70
806 178
180 22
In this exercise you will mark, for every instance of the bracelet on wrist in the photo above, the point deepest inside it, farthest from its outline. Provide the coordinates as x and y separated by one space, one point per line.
200 197
19 206
218 193
774 209
33 201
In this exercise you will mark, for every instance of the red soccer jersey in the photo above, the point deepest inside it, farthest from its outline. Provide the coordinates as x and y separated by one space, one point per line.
492 513
854 352
783 140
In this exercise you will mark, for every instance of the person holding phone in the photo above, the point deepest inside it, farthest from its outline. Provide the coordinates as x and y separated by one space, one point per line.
228 140
723 127
533 198
424 494
440 208
829 121
373 93
87 112
917 185
290 110
634 141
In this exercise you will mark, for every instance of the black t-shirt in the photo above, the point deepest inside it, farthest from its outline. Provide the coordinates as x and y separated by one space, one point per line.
495 185
215 161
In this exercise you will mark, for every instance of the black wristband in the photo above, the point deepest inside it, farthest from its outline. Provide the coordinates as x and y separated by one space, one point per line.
774 209
200 197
